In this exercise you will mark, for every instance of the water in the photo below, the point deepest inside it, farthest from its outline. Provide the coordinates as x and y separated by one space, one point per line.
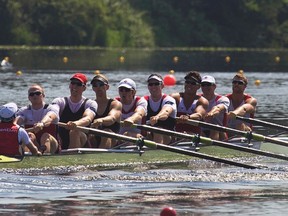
199 188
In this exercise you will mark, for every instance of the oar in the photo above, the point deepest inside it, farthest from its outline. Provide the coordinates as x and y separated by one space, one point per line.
248 135
263 123
154 145
209 141
7 159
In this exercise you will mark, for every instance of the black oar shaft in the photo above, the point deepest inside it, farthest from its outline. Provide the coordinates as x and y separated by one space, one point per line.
154 145
248 135
209 141
263 123
203 156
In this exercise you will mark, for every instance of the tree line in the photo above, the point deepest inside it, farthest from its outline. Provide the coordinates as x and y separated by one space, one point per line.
145 23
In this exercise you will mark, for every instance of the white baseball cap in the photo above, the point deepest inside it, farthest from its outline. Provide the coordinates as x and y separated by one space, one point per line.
127 83
208 79
8 111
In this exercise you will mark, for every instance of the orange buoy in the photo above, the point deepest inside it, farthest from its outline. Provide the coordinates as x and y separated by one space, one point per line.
169 80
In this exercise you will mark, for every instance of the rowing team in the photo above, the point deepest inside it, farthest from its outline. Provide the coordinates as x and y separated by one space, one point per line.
118 115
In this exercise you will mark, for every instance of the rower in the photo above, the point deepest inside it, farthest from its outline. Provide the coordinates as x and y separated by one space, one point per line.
217 109
108 114
190 105
161 109
134 108
241 104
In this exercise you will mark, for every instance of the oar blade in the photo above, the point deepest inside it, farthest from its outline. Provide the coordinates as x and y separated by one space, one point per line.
7 159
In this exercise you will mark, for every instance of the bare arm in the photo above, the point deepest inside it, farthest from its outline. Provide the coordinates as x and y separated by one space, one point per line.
249 107
162 115
136 117
113 116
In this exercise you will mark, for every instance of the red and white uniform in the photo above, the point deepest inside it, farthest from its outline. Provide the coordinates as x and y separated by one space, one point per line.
182 110
129 109
234 122
220 119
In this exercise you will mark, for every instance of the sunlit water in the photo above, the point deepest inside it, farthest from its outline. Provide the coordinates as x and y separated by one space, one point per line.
202 189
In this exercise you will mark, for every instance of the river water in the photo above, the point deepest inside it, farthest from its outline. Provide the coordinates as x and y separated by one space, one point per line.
199 188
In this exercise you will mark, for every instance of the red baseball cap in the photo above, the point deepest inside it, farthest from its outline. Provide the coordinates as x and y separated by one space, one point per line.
81 77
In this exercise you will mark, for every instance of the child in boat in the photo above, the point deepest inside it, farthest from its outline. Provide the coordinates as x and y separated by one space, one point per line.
12 136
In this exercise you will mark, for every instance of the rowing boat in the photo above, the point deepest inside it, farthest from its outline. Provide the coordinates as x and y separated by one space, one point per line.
154 152
125 157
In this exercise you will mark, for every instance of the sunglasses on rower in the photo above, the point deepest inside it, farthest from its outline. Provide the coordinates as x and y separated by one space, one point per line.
206 84
38 93
191 82
98 84
76 83
123 89
154 84
238 82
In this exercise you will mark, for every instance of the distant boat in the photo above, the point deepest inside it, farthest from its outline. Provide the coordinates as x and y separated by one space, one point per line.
5 64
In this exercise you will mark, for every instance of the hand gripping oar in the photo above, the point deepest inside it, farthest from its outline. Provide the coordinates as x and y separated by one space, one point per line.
248 135
263 123
209 141
154 145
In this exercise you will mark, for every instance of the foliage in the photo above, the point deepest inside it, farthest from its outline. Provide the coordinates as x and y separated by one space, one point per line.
149 23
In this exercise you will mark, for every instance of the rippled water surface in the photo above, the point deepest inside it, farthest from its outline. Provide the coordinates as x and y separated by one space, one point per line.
198 188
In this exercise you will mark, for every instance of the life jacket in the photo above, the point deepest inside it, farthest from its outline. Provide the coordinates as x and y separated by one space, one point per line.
169 123
9 144
68 115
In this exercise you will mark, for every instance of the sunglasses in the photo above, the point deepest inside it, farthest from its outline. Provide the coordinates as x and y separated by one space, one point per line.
98 84
123 89
238 82
38 93
206 84
154 84
76 83
191 82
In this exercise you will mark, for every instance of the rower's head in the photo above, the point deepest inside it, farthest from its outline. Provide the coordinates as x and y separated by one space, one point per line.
78 83
8 112
192 81
155 84
80 77
240 77
127 89
208 85
239 83
36 93
100 83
